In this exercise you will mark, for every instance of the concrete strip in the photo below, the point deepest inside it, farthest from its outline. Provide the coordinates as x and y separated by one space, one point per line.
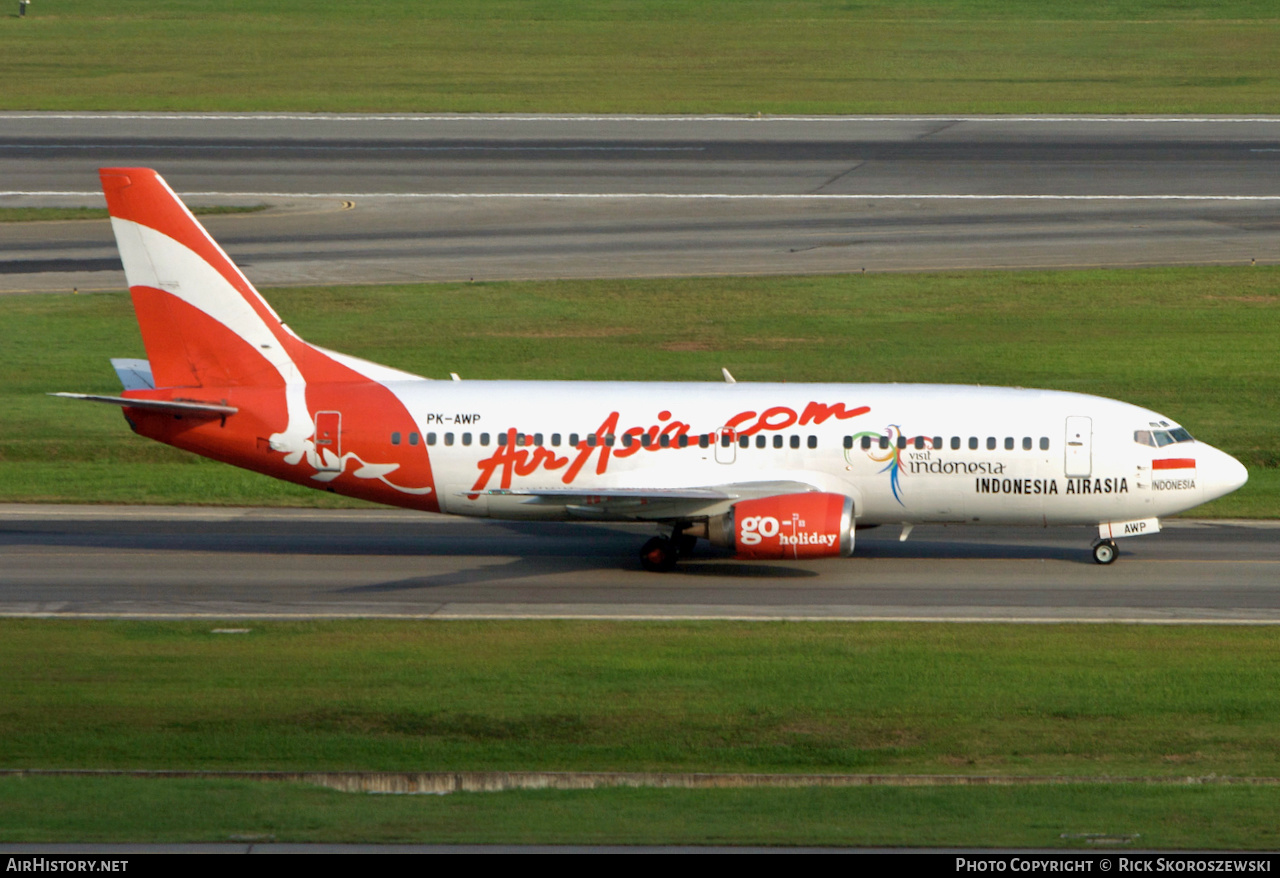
446 782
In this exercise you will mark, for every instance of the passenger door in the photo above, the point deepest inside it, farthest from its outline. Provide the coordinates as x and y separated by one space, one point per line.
1079 447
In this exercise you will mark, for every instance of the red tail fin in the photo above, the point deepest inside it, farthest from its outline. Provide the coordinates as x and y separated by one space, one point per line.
204 325
202 322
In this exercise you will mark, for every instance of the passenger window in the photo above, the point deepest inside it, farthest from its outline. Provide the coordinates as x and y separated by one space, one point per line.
592 439
1026 443
522 439
937 442
955 443
466 438
683 441
1008 443
448 438
573 439
555 440
991 443
502 439
608 440
664 440
645 440
537 438
413 438
704 440
1044 443
431 438
973 443
744 441
813 441
848 441
627 440
795 441
761 441
395 438
777 441
726 439
884 441
866 443
919 443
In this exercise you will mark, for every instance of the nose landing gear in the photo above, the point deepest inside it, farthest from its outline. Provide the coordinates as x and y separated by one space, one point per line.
1104 551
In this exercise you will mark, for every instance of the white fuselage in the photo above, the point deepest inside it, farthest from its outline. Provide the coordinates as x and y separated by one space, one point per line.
948 453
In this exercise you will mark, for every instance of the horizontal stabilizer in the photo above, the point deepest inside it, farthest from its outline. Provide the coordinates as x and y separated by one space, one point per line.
194 409
133 374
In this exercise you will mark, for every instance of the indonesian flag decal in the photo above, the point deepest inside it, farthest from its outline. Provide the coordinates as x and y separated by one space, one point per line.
1174 463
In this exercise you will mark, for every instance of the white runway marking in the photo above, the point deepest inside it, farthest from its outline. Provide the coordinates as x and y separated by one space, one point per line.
480 117
41 147
673 196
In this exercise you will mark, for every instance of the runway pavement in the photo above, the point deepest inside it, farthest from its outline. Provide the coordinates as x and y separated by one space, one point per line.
78 561
357 199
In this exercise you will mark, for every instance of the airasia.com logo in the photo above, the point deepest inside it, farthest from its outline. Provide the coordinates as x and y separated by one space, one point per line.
510 460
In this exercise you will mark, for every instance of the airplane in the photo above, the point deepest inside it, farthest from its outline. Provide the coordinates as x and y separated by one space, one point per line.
768 470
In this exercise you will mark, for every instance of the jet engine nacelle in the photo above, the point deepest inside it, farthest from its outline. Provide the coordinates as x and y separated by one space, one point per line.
810 525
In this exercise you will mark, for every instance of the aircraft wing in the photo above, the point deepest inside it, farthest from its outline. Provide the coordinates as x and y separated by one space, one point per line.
647 504
192 409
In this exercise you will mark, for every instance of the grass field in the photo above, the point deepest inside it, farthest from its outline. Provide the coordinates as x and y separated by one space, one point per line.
1198 344
813 697
649 56
1163 818
725 696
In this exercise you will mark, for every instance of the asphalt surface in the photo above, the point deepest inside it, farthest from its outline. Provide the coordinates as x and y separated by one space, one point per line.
233 563
425 198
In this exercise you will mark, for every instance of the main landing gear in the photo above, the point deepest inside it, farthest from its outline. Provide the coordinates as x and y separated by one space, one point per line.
660 554
1104 551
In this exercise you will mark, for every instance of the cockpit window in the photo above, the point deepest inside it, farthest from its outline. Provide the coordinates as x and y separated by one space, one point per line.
1161 438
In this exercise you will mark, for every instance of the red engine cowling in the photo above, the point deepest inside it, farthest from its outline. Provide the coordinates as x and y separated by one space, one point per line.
793 526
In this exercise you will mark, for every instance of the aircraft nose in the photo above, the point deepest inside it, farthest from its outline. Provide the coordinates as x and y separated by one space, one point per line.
1222 475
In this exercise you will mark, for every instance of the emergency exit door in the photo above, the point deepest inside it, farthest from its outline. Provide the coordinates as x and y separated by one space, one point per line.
726 439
